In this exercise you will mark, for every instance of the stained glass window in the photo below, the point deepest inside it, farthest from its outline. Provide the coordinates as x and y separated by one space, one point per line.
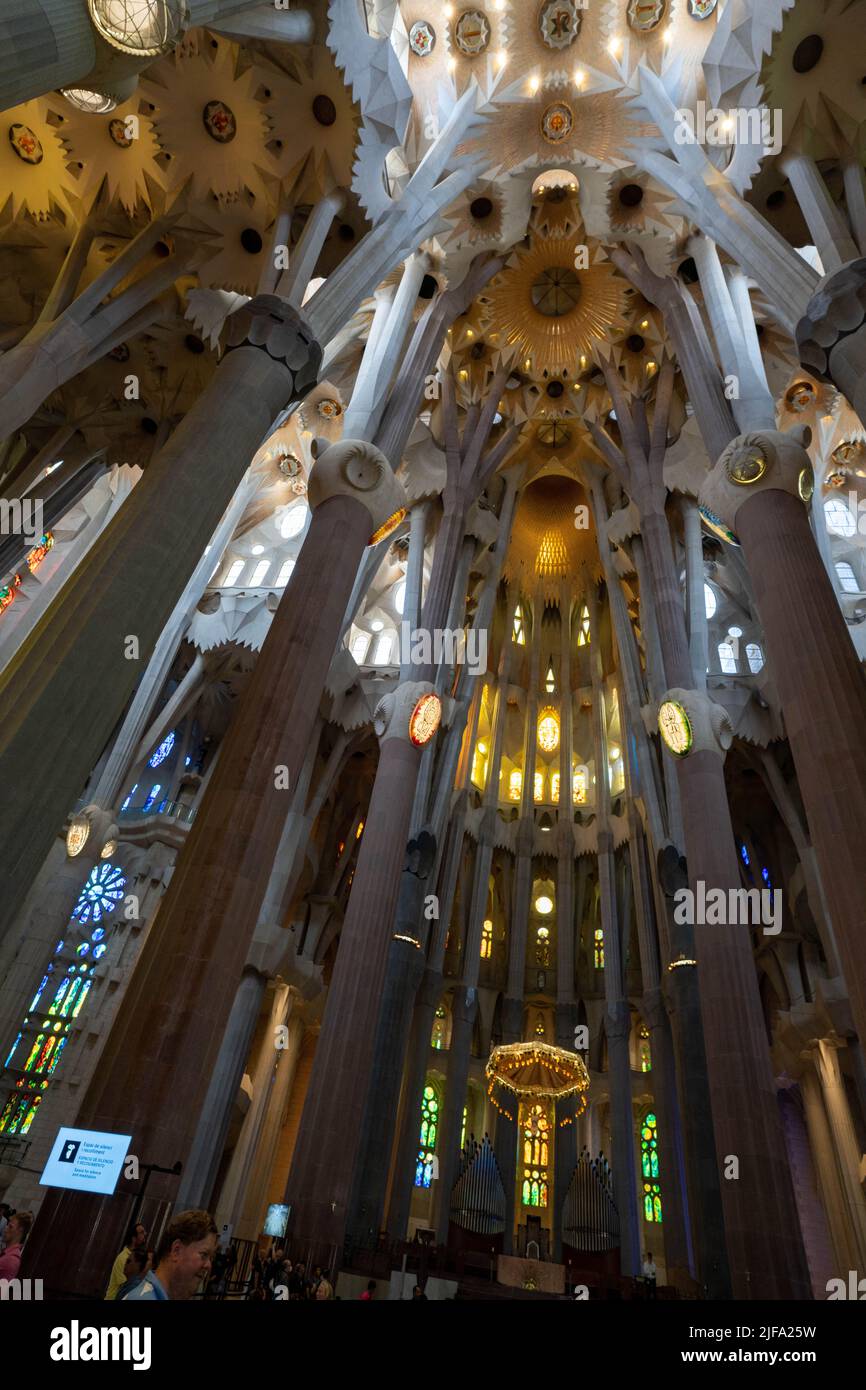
440 1029
755 658
161 753
100 894
548 730
429 1130
518 633
550 680
644 1053
583 633
580 783
536 1156
649 1160
486 939
598 948
515 784
744 853
539 786
554 788
542 946
727 659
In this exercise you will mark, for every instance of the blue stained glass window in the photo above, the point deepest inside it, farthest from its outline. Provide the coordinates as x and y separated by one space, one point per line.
152 795
745 854
12 1050
99 952
82 949
162 752
129 798
98 934
100 894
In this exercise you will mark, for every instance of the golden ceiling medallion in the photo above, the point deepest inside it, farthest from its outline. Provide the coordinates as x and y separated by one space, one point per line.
557 122
26 144
559 22
472 33
645 15
219 122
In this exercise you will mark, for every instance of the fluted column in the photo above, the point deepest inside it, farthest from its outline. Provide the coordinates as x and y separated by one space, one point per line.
195 952
200 1173
815 669
848 1151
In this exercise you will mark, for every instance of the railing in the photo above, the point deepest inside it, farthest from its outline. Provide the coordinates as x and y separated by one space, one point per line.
174 810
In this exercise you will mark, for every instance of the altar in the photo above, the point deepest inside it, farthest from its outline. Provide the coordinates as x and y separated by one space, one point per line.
517 1273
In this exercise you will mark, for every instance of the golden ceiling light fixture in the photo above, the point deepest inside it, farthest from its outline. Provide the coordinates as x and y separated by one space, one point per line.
546 545
551 312
535 1071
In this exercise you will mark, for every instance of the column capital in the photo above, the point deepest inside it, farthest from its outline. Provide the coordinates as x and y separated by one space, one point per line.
412 713
836 311
690 722
762 461
354 468
270 323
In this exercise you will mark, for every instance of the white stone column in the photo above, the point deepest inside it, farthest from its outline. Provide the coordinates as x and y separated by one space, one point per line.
293 282
825 221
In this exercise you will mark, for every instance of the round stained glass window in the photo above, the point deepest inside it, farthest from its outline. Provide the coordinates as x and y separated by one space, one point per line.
100 894
82 949
548 731
162 752
98 934
99 952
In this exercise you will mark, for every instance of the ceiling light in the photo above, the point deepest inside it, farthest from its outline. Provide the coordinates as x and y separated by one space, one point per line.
543 905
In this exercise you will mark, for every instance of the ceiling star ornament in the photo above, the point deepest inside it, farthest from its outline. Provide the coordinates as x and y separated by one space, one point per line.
557 122
33 176
702 9
553 342
422 38
645 15
559 22
472 33
121 147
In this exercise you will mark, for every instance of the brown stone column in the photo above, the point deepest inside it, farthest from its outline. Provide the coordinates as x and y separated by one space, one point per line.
65 689
762 1234
823 694
320 1181
166 1039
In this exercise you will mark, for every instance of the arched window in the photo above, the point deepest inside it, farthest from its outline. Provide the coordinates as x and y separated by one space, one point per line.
536 1156
294 520
162 752
234 573
847 578
479 764
427 1137
285 573
755 658
709 601
382 654
644 1052
538 794
583 632
727 658
518 632
400 597
840 519
598 948
649 1166
515 784
360 646
486 939
554 788
439 1038
550 680
580 786
258 575
542 946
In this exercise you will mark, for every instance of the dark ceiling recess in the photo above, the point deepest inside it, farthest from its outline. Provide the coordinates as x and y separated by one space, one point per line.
635 343
149 426
777 199
162 249
631 195
324 110
251 241
555 389
481 208
194 344
808 53
688 271
346 233
477 351
428 287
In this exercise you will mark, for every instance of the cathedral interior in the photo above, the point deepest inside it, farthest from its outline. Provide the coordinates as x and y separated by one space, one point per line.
431 820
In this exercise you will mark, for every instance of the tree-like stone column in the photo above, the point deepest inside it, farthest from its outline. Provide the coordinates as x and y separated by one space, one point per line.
831 336
320 1183
187 976
757 488
67 686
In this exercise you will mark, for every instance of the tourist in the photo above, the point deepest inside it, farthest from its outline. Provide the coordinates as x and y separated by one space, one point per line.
650 1274
17 1231
324 1290
136 1240
369 1292
134 1270
183 1259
